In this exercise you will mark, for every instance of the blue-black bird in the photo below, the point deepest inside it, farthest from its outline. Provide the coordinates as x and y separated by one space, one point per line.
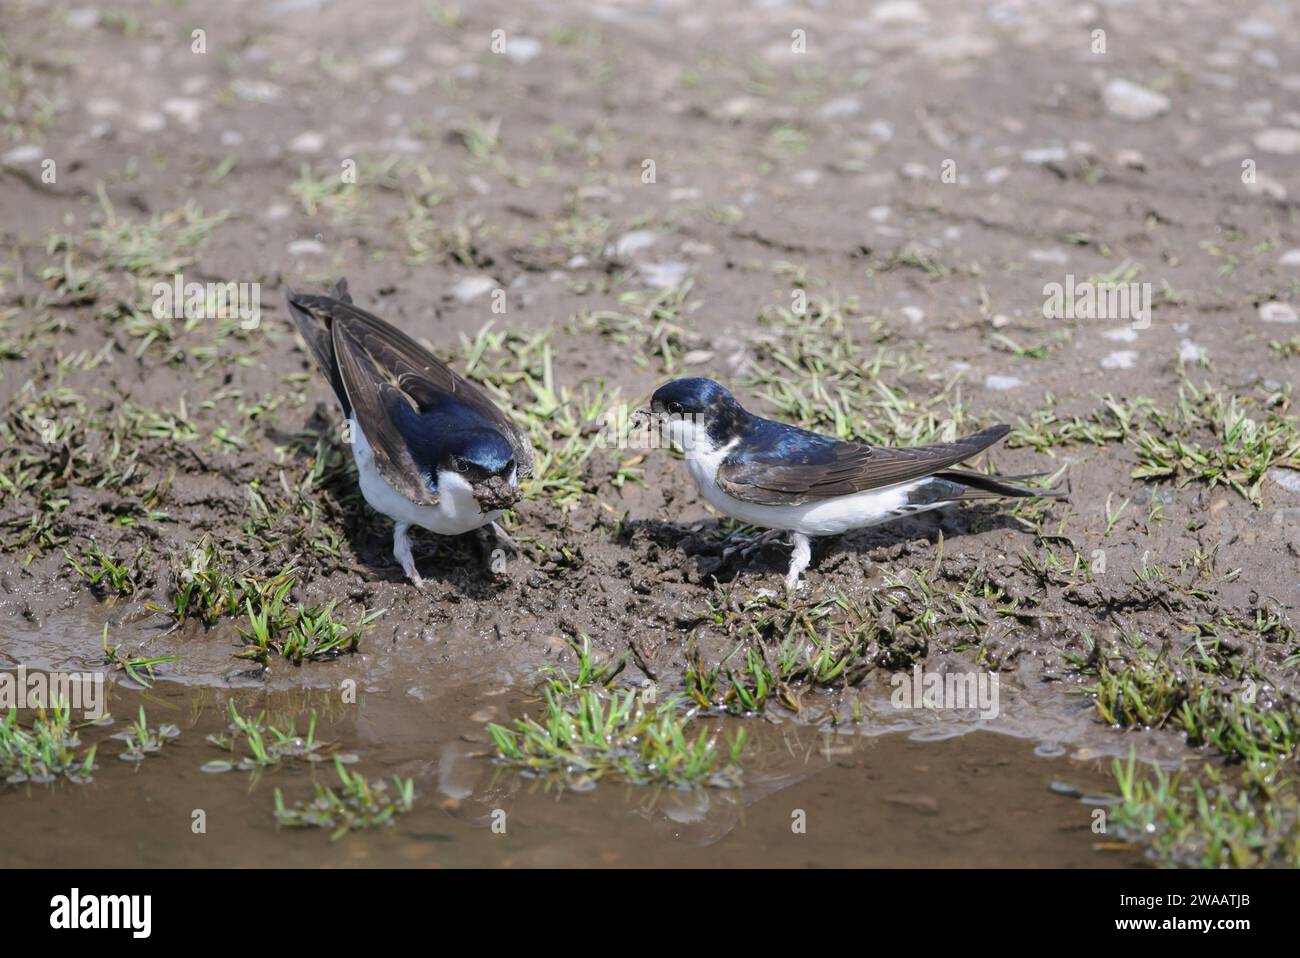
432 450
785 479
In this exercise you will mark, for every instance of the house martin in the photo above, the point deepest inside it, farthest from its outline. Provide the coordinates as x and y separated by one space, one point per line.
431 449
785 479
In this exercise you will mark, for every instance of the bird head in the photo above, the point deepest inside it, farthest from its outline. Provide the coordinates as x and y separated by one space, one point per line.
696 413
484 460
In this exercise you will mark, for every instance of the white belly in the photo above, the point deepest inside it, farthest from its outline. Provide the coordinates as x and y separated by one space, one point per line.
826 517
457 510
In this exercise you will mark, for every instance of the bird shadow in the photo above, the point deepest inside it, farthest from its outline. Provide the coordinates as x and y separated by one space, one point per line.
452 561
705 542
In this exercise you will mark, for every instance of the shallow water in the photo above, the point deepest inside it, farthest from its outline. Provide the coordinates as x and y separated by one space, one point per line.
937 795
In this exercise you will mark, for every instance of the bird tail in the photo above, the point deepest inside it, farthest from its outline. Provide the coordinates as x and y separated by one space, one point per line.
314 324
954 484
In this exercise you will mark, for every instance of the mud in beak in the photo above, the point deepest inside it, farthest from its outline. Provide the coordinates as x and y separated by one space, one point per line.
496 492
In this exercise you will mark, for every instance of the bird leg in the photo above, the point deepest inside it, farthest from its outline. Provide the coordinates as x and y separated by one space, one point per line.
503 537
748 545
493 549
799 559
402 553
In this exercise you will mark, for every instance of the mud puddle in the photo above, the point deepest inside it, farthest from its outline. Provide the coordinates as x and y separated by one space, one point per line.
846 797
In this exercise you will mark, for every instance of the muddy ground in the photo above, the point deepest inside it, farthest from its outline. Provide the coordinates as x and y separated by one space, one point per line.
653 189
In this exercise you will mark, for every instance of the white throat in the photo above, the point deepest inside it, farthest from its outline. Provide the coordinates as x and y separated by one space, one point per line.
457 511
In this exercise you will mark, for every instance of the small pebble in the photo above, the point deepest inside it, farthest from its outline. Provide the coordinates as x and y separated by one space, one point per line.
22 155
472 287
629 244
1002 383
1278 140
523 49
1132 101
1120 359
309 141
1278 313
305 247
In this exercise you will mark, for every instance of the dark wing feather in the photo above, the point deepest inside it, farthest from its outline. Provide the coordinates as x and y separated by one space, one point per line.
374 398
417 372
315 330
844 468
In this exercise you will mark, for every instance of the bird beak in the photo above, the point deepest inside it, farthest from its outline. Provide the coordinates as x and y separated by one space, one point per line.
496 492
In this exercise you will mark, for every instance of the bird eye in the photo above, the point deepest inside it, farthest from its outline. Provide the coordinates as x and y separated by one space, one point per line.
675 408
461 465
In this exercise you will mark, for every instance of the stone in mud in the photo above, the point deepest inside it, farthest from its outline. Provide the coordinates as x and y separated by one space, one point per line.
1132 101
839 108
882 130
666 275
899 12
629 244
1278 140
1190 352
1053 255
83 18
386 57
1046 154
1120 359
1266 185
184 109
103 107
1131 159
22 155
1002 383
150 121
523 49
1278 313
471 288
309 141
1288 479
305 247
255 91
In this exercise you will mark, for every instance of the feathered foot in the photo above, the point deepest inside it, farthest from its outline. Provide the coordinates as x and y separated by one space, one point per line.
402 553
799 559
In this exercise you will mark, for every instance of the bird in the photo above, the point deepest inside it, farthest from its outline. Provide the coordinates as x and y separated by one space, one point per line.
785 479
431 449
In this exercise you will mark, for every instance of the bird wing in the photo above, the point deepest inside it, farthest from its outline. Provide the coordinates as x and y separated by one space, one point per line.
374 396
373 365
315 330
843 468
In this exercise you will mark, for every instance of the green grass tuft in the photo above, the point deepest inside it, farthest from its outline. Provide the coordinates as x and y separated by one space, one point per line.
356 804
